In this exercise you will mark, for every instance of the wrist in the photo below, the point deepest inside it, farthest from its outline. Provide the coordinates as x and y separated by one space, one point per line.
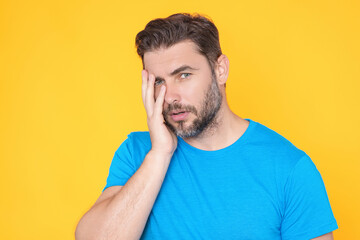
159 154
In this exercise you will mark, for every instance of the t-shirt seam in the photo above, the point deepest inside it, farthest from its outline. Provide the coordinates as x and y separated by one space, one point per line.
288 179
293 168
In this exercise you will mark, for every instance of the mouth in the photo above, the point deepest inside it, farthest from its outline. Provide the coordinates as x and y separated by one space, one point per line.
178 115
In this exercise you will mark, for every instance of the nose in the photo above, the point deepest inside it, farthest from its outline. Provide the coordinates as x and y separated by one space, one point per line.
172 93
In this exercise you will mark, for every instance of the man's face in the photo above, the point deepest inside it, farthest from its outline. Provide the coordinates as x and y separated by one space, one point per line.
192 97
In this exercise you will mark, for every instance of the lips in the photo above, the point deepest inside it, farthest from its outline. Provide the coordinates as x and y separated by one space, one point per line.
176 112
178 115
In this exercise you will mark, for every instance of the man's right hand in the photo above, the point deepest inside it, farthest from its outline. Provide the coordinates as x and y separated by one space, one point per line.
163 141
121 212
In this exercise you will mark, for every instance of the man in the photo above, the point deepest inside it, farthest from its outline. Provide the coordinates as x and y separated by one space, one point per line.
202 172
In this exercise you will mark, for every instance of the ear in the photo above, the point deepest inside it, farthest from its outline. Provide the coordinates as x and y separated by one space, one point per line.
222 69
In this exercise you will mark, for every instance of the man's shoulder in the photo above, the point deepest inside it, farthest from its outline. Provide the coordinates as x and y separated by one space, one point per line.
267 136
135 146
139 134
139 138
135 141
272 141
275 153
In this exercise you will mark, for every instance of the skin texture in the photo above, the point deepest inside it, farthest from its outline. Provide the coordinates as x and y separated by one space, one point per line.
328 236
121 212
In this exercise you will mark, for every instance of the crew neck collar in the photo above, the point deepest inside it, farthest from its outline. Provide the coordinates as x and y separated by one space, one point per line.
241 140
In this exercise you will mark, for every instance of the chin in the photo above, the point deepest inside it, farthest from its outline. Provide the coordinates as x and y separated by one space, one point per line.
187 132
182 129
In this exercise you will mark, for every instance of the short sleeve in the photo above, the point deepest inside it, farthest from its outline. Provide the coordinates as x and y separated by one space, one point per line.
308 212
122 167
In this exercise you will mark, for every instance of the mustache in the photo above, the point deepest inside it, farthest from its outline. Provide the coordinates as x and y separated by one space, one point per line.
178 106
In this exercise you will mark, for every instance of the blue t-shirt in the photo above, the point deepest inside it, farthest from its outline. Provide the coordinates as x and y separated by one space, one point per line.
260 187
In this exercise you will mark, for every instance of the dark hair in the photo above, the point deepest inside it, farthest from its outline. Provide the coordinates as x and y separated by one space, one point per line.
165 32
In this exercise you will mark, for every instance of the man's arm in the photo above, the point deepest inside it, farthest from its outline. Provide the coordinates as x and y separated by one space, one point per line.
122 212
328 236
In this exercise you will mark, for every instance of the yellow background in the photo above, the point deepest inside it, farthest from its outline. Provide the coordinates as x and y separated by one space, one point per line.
70 94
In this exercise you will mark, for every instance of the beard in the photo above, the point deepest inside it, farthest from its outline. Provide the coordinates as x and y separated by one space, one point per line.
205 117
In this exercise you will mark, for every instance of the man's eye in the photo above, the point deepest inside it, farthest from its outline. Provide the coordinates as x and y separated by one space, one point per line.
159 82
185 75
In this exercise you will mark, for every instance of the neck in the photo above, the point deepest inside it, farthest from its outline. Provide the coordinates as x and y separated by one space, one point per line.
226 129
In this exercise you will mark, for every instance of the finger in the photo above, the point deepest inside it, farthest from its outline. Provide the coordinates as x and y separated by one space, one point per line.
149 97
144 76
158 108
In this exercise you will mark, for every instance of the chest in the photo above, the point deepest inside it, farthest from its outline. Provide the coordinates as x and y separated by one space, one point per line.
226 200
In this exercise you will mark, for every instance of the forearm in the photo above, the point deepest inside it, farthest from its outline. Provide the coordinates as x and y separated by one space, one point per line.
124 215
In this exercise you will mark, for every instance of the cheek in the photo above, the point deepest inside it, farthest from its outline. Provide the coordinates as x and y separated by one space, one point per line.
194 91
192 96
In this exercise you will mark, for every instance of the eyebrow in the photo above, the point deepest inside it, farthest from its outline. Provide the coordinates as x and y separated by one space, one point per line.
176 71
182 68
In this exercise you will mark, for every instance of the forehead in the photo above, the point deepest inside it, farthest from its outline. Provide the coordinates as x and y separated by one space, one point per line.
165 60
